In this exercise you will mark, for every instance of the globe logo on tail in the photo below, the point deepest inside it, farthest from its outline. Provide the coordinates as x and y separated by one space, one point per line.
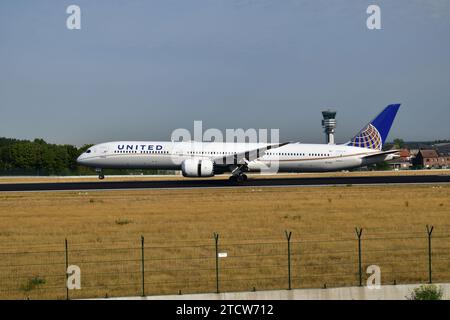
368 138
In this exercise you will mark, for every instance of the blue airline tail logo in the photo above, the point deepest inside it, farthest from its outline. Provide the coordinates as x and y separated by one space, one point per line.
374 135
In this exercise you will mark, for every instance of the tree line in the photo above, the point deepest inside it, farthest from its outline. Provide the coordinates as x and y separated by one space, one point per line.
37 157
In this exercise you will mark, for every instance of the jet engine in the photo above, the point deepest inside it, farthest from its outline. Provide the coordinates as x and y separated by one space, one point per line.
197 168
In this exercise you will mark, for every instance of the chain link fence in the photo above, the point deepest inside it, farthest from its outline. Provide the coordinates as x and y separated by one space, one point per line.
137 267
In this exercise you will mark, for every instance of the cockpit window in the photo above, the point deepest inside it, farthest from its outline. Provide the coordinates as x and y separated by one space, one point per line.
88 151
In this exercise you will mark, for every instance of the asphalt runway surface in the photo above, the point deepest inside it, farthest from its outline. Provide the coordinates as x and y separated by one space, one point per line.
216 183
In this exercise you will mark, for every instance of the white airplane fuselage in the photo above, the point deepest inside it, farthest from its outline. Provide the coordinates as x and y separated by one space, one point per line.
293 157
206 159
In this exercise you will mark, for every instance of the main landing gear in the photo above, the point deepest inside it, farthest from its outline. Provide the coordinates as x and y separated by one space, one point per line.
238 175
238 178
101 176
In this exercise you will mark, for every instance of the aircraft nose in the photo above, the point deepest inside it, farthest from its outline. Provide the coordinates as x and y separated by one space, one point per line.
80 159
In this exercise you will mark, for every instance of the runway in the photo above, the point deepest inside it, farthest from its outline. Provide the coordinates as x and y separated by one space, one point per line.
216 183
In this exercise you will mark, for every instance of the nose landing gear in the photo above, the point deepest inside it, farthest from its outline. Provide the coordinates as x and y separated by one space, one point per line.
101 176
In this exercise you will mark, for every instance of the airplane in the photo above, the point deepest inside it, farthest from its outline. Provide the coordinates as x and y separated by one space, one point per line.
207 159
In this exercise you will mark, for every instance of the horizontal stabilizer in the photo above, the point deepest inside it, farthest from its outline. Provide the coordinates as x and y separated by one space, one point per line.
381 153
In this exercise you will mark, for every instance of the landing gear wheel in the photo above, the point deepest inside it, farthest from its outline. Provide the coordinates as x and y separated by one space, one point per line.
238 178
101 176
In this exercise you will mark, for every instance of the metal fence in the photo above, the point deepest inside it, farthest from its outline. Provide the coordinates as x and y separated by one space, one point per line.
139 267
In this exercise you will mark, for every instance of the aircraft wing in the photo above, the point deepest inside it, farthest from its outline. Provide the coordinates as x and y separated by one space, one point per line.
381 153
247 156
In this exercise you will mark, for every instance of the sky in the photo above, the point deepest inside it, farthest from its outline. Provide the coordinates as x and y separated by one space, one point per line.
137 70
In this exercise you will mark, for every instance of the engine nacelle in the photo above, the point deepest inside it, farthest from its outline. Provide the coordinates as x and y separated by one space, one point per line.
197 168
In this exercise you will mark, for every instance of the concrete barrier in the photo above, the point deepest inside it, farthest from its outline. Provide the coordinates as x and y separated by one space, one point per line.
389 292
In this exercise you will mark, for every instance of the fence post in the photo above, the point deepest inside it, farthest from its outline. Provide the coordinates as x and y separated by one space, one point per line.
288 238
216 240
142 266
429 232
67 266
359 234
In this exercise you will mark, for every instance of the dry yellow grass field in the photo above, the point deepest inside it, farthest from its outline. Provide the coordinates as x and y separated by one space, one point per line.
103 229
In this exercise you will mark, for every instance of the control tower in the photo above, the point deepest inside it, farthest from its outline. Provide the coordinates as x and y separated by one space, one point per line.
329 124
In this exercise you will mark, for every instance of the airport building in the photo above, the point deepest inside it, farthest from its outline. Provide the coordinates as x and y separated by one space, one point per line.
402 163
431 159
